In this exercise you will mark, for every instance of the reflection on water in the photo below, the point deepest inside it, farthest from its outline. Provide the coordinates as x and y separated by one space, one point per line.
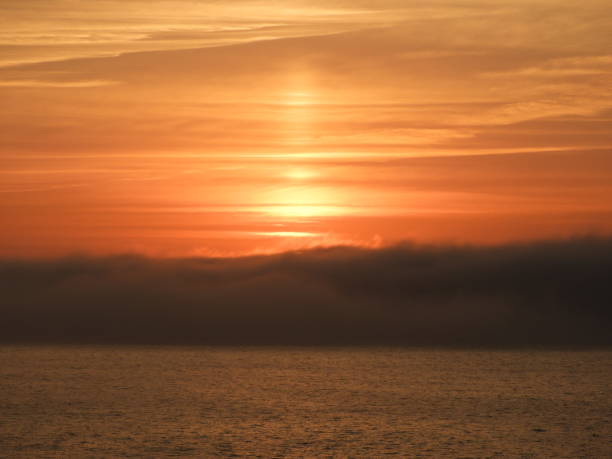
279 402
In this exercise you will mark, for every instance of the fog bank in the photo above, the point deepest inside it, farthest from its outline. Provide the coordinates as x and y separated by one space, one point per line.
546 293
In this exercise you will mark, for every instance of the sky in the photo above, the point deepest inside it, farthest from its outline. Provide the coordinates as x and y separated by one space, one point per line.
212 128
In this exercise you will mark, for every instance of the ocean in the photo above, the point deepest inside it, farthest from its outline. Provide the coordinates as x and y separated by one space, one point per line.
131 401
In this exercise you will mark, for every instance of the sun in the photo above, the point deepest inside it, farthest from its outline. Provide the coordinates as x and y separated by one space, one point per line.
300 174
298 98
304 201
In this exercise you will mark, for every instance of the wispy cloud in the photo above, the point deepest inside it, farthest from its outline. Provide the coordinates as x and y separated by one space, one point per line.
55 84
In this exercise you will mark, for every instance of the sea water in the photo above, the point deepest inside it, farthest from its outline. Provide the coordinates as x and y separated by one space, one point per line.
86 401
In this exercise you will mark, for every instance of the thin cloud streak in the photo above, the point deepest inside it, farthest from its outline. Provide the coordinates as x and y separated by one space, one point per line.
55 84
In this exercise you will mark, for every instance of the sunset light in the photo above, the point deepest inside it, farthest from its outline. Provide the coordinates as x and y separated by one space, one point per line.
305 229
128 133
301 174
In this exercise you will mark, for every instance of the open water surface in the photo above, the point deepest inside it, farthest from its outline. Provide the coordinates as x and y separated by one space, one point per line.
292 402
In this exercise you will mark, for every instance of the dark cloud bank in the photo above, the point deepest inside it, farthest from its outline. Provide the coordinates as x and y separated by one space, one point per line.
546 293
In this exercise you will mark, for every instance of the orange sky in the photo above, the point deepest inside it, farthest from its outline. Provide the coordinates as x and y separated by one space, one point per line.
225 128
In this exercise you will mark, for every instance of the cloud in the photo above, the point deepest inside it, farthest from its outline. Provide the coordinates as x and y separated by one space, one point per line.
546 293
69 30
55 84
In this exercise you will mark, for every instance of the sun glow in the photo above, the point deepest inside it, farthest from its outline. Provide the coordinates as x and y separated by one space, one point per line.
305 211
304 201
301 174
298 98
290 234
